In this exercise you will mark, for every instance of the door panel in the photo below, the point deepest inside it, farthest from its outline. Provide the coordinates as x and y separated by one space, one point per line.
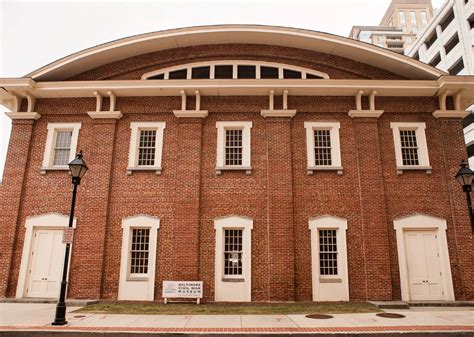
47 260
423 261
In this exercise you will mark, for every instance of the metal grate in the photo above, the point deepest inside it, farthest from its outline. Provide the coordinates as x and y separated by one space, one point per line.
327 252
146 148
233 252
233 147
139 251
409 147
322 147
62 148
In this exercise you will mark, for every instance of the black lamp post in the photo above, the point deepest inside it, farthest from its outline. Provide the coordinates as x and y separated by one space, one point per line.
465 176
78 168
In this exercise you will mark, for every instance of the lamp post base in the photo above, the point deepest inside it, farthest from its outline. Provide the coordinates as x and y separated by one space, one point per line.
60 318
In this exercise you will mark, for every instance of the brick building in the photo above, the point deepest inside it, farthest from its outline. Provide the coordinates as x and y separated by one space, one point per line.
273 164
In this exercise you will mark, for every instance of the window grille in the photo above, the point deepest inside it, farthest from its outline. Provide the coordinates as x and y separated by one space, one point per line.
233 147
322 147
139 251
62 148
233 252
409 147
146 148
327 252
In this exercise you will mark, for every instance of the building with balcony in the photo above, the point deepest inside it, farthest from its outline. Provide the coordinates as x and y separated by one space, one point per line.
271 163
399 26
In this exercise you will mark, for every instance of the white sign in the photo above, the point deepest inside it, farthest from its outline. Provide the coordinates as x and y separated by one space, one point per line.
182 289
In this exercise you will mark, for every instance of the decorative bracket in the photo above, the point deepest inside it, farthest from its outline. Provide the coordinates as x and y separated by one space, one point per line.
197 113
271 112
28 114
359 112
458 112
98 113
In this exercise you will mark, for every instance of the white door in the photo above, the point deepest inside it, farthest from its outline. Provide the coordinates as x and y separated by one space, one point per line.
424 265
47 259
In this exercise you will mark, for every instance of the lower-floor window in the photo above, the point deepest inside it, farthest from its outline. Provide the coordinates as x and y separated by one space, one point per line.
327 252
233 252
139 251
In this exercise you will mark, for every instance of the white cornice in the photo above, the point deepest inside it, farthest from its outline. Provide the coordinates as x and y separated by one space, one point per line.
232 34
450 113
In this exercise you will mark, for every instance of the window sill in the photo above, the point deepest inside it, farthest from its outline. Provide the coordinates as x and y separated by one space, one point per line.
247 169
151 168
137 278
53 168
330 280
400 169
311 169
233 280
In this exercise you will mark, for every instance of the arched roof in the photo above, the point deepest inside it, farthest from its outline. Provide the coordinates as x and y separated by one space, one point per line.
220 34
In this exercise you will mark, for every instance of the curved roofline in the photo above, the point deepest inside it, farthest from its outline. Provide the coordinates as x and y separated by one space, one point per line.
219 34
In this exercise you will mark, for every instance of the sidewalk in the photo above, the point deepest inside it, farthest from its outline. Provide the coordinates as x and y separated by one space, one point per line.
17 319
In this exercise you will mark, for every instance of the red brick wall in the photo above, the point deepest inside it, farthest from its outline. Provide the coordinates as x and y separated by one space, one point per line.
278 195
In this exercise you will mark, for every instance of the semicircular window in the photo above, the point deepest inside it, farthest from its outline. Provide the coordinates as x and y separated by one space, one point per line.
231 69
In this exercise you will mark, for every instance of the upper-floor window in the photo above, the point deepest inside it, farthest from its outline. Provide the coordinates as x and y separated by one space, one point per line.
61 144
457 67
424 18
448 19
230 69
431 40
322 146
436 60
470 21
411 150
233 146
453 42
146 145
402 18
414 24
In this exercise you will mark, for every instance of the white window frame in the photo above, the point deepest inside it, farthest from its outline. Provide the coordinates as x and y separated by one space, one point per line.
246 147
138 286
233 288
136 127
235 64
53 129
333 127
423 157
329 287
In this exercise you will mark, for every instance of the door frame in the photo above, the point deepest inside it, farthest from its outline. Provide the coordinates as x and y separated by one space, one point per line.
423 222
32 223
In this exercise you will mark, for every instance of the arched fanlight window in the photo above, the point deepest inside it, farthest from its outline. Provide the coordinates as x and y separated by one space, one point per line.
232 69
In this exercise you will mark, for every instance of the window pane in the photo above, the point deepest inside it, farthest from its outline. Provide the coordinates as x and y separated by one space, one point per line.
311 76
452 43
146 148
409 147
233 147
201 72
322 147
62 148
328 252
233 251
178 74
139 251
447 21
157 77
223 72
457 67
268 72
246 71
287 73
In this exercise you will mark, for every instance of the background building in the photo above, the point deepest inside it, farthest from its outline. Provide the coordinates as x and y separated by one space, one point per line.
399 26
447 43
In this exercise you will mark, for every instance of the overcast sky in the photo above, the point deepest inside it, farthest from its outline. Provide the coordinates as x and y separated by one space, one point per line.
35 33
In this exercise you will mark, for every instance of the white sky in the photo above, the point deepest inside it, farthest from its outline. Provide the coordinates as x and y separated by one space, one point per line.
35 33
